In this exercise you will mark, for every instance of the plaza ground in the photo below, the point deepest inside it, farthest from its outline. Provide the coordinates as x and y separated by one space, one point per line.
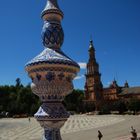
78 127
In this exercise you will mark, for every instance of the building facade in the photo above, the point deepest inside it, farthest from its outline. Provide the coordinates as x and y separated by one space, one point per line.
94 90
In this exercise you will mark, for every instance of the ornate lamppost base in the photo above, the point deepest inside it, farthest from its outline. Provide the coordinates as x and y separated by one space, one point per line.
52 117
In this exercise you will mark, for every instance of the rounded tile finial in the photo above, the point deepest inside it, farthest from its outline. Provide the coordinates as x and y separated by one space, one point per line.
52 10
52 32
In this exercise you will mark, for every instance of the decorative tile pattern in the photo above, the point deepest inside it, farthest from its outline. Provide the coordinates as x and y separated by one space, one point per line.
38 77
51 110
57 69
52 89
52 34
50 76
52 73
52 134
52 57
61 76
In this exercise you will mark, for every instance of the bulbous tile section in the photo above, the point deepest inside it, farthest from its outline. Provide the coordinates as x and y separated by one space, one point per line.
52 90
52 35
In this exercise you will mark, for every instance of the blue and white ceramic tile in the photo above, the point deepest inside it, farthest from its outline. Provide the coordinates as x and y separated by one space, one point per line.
52 56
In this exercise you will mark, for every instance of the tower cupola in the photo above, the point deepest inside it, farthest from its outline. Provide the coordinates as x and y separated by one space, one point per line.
126 85
91 46
91 51
114 84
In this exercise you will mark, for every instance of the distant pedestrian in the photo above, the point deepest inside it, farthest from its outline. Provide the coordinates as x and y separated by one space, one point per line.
29 119
134 134
100 135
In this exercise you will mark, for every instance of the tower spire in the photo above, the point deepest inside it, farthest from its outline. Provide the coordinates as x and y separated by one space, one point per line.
91 37
91 46
126 85
91 51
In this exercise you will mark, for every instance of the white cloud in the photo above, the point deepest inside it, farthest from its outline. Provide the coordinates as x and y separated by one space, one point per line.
83 65
79 77
108 83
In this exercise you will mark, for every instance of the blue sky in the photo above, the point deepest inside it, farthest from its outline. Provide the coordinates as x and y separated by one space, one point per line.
113 24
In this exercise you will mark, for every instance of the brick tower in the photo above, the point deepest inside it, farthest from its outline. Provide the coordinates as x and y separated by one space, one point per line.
93 86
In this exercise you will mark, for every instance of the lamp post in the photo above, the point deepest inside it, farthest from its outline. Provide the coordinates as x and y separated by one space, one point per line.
52 73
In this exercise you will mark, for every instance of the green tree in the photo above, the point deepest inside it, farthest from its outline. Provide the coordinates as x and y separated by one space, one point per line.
120 106
89 106
74 101
18 99
134 105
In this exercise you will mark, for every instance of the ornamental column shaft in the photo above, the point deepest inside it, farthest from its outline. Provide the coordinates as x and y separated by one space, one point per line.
52 73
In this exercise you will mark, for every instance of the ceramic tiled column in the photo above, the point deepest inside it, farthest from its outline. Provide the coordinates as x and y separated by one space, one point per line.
52 73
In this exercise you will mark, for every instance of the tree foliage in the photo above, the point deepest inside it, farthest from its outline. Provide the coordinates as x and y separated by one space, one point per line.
120 106
74 101
117 106
18 99
134 105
